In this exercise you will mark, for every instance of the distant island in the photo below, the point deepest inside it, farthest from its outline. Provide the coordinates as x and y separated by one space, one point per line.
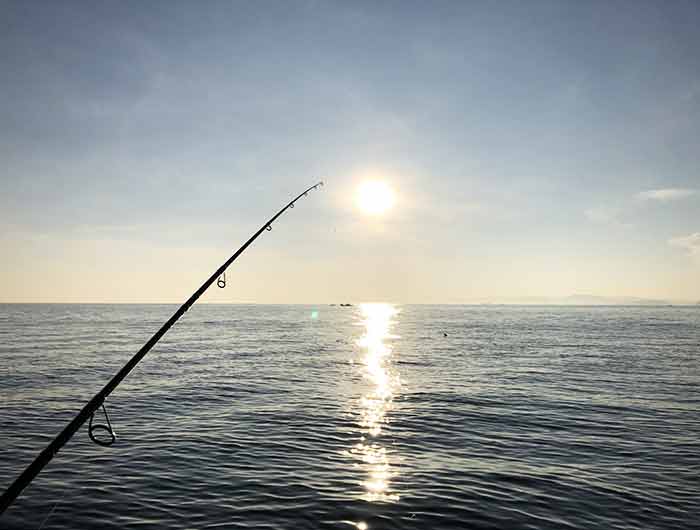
588 299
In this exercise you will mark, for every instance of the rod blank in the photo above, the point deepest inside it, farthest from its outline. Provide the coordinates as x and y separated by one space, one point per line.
25 478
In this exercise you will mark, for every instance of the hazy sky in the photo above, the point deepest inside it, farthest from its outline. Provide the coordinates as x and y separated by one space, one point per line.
535 149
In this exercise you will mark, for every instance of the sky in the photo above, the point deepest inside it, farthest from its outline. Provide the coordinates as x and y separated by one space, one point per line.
535 149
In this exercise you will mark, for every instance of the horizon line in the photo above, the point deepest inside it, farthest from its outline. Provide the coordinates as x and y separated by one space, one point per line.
659 303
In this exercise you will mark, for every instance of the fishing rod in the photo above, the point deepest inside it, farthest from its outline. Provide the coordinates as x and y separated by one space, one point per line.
88 411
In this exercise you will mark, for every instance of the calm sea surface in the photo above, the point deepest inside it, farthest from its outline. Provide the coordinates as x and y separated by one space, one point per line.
293 417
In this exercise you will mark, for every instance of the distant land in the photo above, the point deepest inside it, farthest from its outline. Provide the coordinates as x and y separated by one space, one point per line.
588 299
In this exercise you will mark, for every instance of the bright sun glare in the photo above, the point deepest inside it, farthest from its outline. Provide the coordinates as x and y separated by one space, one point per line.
375 197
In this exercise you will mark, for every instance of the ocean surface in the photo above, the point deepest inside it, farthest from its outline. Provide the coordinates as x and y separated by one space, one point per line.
367 417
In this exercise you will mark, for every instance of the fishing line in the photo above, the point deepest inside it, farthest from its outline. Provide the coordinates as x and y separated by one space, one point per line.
88 411
48 515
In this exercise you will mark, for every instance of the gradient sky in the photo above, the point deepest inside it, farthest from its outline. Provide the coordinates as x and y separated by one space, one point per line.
536 149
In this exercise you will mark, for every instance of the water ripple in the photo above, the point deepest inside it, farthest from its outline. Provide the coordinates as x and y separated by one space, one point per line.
362 418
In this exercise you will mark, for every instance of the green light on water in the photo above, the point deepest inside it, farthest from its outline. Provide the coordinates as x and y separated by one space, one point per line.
314 315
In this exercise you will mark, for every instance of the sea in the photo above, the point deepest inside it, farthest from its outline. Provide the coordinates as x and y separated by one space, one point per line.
374 416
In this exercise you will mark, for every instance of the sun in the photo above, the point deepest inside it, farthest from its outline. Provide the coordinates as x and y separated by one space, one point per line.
375 197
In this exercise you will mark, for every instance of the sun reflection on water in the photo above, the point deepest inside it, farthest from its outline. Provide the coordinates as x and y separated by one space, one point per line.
376 402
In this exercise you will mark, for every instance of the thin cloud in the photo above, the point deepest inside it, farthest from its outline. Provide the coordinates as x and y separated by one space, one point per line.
666 194
601 214
691 243
606 216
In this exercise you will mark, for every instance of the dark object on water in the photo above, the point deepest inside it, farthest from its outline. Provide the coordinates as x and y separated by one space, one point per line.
88 411
444 334
345 305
